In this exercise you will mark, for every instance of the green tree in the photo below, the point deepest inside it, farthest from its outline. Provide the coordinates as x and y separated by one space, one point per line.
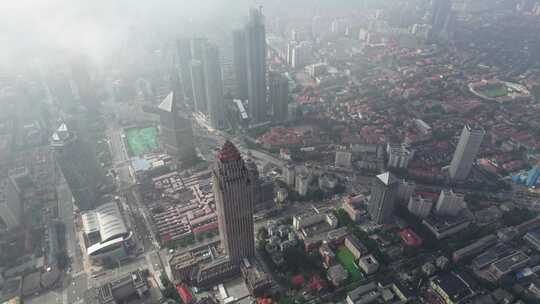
62 259
286 221
169 289
262 233
343 217
339 189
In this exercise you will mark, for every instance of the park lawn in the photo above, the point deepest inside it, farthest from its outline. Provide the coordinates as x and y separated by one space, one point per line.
347 260
141 140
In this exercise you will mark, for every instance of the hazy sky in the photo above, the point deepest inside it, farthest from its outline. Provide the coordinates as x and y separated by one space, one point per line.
95 27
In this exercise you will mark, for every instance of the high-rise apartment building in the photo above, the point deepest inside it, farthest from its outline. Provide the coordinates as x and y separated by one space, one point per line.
176 131
289 174
420 206
79 166
290 52
466 151
234 190
214 86
240 64
449 203
256 65
343 158
399 156
279 96
300 55
383 196
405 191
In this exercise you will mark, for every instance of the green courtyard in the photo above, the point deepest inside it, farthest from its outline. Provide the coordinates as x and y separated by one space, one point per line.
141 140
347 260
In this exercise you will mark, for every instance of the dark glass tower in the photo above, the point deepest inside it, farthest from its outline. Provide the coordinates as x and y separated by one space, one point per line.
79 166
214 86
256 66
184 58
198 86
240 64
383 195
279 96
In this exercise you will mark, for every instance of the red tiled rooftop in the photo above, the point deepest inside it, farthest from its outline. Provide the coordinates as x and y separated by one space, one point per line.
205 228
298 280
410 237
184 293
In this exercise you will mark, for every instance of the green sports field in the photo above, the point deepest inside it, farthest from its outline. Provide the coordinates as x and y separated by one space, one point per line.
141 140
346 259
494 91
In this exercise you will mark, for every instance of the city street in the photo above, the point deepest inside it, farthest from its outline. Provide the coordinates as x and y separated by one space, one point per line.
75 282
141 225
65 212
120 157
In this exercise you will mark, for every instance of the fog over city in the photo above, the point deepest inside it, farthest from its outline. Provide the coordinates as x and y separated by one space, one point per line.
270 151
98 28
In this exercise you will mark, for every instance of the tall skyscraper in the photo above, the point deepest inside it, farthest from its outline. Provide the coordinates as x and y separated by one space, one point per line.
176 130
214 86
198 86
279 96
466 150
79 166
439 12
175 85
240 63
234 190
197 48
82 84
256 66
383 195
442 19
184 58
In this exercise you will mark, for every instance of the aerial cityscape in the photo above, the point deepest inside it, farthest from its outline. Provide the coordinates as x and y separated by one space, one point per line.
270 152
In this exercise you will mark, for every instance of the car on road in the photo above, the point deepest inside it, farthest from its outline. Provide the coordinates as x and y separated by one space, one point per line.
97 275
